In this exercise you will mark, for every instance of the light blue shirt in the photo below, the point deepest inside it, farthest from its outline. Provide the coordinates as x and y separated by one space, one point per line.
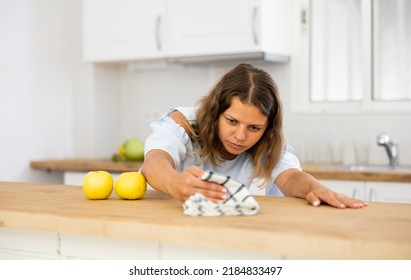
170 137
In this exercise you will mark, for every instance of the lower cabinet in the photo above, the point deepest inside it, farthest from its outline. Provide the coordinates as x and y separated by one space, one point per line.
372 191
25 244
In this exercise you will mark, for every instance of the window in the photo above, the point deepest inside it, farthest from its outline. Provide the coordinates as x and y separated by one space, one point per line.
353 55
391 50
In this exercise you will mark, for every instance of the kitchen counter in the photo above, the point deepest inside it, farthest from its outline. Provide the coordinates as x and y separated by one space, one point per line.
319 171
330 172
85 165
288 227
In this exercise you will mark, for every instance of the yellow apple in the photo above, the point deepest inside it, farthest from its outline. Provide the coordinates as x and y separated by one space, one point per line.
98 184
131 185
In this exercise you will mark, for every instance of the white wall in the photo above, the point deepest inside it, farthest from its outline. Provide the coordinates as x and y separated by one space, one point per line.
39 48
309 134
52 105
146 95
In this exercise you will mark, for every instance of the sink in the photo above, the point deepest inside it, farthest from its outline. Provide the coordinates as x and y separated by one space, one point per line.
370 168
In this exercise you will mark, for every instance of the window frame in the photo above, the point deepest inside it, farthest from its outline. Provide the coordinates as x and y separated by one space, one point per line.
300 74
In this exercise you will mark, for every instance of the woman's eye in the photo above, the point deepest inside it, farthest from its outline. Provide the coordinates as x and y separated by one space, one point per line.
231 121
254 128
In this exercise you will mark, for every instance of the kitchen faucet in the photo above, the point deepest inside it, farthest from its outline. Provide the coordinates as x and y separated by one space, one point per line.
391 147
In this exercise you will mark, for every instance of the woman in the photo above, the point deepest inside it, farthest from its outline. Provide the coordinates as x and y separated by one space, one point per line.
237 131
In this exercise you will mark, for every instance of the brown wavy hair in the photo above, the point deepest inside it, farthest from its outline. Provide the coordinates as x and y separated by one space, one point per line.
253 86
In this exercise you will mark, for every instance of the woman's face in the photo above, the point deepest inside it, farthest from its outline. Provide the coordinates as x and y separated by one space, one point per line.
240 127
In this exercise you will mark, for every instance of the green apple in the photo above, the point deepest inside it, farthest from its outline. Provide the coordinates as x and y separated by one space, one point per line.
134 149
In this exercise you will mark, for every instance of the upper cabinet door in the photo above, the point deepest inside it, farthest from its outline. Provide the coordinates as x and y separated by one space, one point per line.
214 27
119 30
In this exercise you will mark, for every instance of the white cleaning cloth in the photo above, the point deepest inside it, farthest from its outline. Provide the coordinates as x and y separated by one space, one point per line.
239 200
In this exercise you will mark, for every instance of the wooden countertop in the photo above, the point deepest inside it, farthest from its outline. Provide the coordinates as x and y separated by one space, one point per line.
285 226
329 172
82 164
317 170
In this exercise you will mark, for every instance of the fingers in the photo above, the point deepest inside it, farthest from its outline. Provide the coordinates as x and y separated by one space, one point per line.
197 172
334 199
193 184
312 199
351 202
212 191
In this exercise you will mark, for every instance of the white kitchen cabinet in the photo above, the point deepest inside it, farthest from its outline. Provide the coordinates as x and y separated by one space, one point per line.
372 191
177 30
388 192
123 30
354 189
24 244
220 27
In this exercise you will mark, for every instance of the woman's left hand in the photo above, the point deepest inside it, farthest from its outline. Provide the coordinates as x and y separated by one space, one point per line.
297 183
323 194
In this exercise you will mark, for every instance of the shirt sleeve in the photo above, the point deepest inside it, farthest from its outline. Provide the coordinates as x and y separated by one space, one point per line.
169 137
287 161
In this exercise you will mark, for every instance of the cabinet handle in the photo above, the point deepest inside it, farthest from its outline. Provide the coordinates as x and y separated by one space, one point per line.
254 25
157 33
371 195
304 21
355 193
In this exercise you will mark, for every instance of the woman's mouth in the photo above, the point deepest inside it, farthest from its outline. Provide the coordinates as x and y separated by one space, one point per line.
235 146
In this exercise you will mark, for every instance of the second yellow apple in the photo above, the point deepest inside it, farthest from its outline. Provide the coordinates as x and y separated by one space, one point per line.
131 185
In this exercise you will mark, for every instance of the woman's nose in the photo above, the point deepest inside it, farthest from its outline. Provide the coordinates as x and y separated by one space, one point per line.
240 134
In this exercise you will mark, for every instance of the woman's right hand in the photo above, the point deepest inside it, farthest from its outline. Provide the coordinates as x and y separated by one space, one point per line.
159 172
186 183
